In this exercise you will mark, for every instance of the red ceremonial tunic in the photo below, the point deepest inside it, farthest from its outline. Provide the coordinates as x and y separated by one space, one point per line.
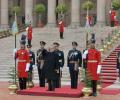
29 34
61 26
94 59
22 57
112 15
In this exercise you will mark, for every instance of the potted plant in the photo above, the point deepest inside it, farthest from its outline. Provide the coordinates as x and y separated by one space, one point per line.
87 5
61 9
87 86
39 9
116 4
13 80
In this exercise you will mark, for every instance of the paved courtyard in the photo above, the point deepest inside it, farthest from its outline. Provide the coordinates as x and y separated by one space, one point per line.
50 36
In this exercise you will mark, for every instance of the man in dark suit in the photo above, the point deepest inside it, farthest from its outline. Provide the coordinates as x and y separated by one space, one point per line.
51 68
74 62
61 63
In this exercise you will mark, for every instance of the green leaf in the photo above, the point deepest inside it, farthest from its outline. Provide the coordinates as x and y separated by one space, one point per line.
39 8
61 8
88 5
16 9
116 4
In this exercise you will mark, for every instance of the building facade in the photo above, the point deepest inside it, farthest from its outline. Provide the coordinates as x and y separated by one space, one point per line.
74 17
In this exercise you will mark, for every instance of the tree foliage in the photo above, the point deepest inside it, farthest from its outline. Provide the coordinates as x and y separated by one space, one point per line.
88 5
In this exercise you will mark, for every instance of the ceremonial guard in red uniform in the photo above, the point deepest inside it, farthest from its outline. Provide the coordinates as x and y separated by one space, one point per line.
29 34
93 57
61 28
112 17
22 57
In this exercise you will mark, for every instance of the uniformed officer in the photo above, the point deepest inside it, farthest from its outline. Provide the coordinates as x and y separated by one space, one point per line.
74 62
93 65
61 63
112 17
41 53
61 28
32 63
29 34
22 57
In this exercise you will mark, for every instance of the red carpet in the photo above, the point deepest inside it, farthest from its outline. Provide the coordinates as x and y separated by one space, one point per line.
108 77
109 73
65 91
110 91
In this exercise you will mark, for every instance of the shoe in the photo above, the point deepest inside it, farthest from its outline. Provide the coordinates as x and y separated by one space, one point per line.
94 94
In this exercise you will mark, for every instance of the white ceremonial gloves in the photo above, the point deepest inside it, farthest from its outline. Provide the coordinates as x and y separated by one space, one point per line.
85 54
61 69
117 70
27 67
99 69
27 28
34 67
14 52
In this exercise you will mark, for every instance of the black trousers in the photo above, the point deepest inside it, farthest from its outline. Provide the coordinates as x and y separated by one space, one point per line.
41 77
22 83
29 42
94 86
30 75
112 23
51 85
58 81
74 79
61 35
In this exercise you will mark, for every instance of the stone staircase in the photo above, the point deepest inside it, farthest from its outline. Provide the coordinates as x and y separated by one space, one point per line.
49 35
109 72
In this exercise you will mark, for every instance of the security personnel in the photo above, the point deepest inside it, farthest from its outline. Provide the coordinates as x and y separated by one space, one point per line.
22 57
61 28
74 62
93 65
112 17
29 34
41 53
32 63
61 63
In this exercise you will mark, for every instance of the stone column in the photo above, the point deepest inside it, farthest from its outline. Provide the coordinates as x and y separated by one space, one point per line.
101 12
51 13
75 13
4 13
29 11
61 1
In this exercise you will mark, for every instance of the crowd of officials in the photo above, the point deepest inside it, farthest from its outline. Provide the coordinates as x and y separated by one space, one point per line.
50 63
